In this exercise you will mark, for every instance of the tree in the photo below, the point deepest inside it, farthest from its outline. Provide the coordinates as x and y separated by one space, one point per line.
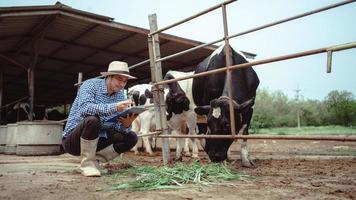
342 107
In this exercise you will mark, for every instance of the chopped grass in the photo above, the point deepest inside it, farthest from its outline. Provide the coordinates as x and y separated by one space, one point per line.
175 177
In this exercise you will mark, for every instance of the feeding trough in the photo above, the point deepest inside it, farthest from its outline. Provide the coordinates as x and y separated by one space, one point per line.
10 147
3 133
39 138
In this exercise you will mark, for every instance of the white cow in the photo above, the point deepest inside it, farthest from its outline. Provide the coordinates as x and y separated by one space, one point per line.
145 122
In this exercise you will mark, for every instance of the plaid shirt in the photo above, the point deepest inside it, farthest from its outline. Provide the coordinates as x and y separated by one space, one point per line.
93 99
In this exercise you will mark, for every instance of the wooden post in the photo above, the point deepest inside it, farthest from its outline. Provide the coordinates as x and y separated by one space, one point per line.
80 79
31 90
156 75
1 91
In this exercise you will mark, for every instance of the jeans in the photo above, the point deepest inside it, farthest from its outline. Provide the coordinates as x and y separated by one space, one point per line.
89 129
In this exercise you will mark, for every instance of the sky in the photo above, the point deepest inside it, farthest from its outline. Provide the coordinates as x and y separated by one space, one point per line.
308 74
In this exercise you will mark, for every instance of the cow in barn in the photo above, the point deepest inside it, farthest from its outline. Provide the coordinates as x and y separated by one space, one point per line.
145 122
55 115
180 108
210 94
21 112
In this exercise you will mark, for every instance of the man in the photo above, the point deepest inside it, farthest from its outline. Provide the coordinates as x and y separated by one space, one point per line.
98 100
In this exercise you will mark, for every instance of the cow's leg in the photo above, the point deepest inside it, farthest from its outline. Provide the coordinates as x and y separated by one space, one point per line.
135 149
229 156
192 131
195 149
244 152
186 147
244 155
145 128
147 145
135 128
180 144
142 127
183 131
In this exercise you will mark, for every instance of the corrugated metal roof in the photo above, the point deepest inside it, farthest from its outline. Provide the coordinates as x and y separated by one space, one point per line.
68 41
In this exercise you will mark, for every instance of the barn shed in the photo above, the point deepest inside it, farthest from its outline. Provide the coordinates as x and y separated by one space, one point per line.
53 43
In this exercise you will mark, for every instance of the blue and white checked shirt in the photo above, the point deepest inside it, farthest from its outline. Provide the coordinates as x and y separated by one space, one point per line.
93 99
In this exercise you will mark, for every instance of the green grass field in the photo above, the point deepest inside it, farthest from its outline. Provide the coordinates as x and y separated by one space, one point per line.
307 130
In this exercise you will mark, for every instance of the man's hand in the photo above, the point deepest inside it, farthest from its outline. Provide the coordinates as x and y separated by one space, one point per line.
122 105
127 121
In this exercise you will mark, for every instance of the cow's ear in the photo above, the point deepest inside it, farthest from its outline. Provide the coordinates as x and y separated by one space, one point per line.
142 100
202 110
186 105
148 94
136 96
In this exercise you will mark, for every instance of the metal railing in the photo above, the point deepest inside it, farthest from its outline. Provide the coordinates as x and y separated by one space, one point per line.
155 61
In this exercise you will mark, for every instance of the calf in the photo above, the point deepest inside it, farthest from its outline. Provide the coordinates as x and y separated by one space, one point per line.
180 109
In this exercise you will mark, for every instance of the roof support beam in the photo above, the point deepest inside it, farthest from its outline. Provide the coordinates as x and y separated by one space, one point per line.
36 31
108 46
14 62
60 59
98 51
64 45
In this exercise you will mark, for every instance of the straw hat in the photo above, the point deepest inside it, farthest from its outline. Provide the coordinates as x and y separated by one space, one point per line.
118 68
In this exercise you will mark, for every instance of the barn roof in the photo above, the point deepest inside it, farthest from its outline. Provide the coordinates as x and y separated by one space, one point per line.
61 41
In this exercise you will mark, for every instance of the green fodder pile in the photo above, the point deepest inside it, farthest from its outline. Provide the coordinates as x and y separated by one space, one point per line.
175 177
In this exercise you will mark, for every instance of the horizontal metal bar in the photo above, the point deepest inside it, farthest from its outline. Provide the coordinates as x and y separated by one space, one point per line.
266 137
189 50
150 134
139 64
192 17
342 47
257 28
292 18
260 62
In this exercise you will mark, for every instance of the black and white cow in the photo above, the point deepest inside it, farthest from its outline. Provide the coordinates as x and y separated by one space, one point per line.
211 97
180 108
145 122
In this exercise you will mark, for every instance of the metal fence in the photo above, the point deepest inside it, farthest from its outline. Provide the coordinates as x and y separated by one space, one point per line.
156 72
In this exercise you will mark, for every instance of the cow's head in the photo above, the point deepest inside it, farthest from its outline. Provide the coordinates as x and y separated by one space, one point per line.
141 99
218 122
176 103
176 100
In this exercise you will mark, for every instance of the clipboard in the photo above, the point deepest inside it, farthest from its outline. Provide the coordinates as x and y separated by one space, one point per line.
129 111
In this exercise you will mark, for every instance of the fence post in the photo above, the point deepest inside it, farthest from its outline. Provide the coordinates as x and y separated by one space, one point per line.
156 75
228 59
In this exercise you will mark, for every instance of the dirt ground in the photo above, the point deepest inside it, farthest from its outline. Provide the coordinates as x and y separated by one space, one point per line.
284 170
